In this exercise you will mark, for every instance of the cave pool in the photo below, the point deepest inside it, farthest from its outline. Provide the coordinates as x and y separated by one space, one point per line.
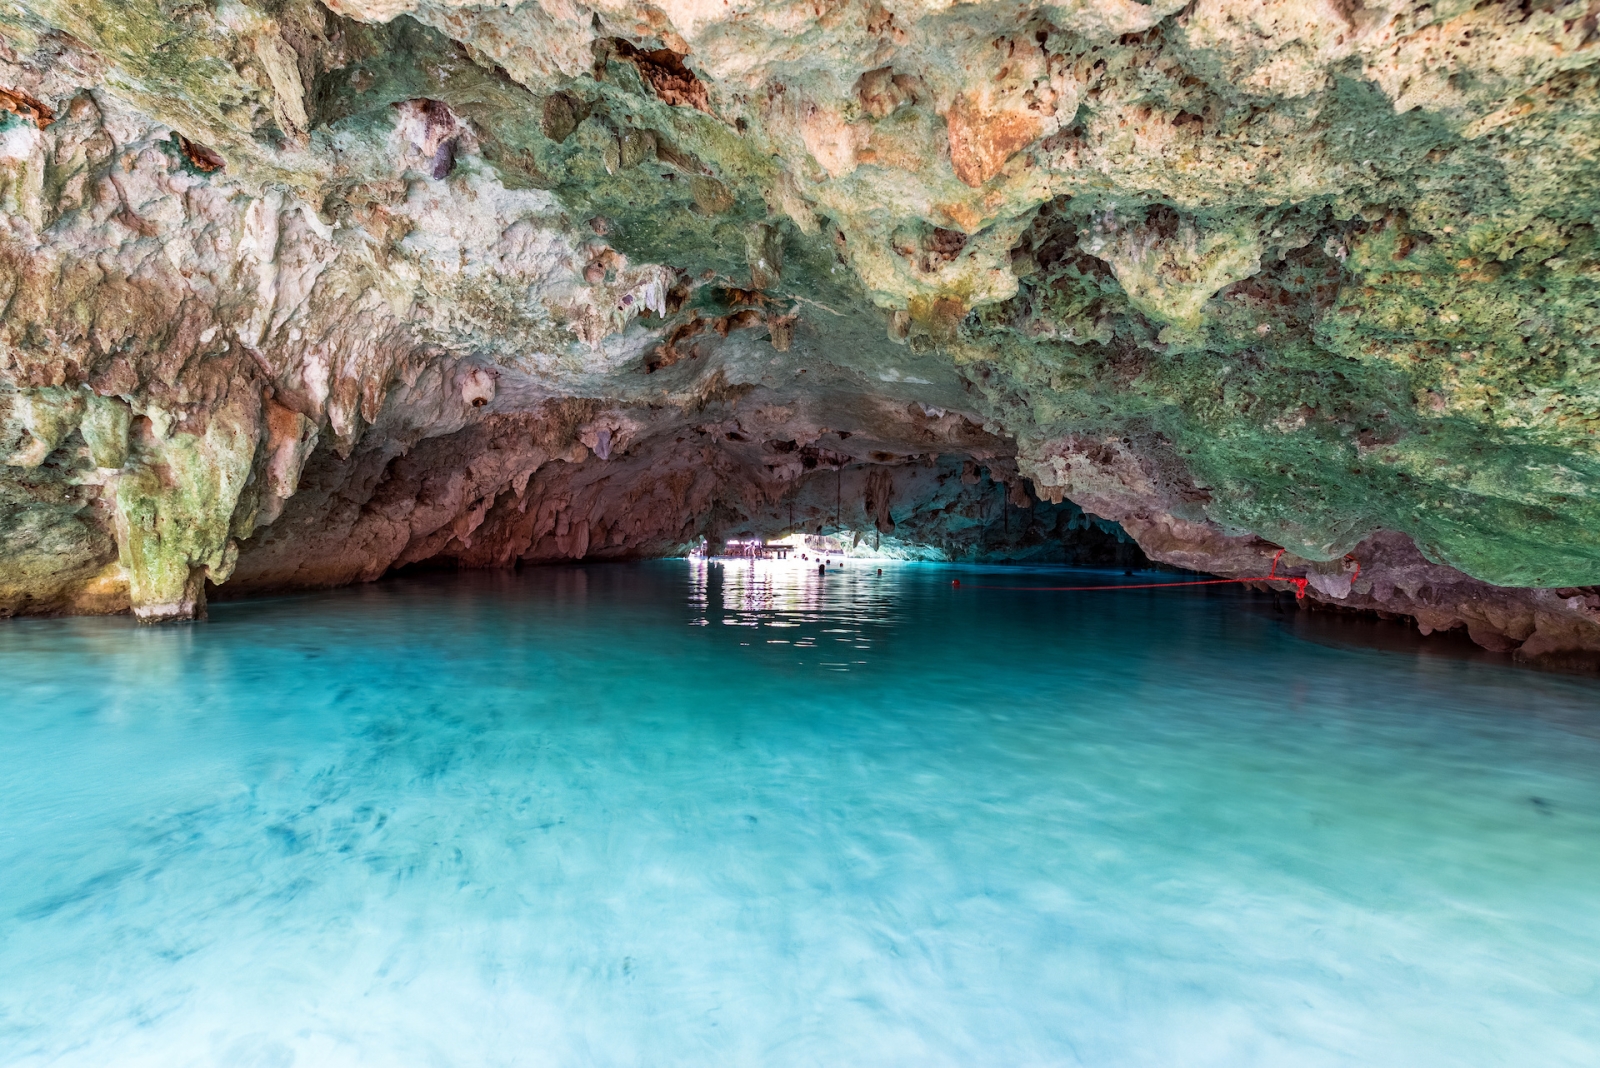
687 814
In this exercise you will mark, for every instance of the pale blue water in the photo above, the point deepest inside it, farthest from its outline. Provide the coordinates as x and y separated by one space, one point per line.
625 816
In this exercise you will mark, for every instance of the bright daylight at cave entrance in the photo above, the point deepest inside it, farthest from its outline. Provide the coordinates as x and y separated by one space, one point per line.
799 532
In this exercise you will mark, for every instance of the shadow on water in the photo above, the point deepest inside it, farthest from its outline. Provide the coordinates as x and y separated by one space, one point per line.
1349 630
1367 631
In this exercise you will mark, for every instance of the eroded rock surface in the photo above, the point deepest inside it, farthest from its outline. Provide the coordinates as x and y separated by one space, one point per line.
297 292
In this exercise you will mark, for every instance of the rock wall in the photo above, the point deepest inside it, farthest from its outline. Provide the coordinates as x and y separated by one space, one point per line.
296 293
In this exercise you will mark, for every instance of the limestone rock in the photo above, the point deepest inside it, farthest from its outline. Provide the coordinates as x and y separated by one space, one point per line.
299 292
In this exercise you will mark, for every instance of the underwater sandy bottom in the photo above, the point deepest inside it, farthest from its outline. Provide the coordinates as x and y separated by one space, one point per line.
680 814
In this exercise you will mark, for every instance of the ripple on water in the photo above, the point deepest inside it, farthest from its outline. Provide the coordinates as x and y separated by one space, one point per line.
676 814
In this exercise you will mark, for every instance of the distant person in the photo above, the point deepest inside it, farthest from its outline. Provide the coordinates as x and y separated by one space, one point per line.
822 568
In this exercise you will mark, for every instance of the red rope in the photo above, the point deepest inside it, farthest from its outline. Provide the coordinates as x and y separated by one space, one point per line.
1271 576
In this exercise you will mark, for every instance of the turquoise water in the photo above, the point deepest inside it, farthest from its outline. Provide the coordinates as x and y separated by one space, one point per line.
666 815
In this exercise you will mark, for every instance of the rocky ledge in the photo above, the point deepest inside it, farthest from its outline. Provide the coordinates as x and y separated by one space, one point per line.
297 293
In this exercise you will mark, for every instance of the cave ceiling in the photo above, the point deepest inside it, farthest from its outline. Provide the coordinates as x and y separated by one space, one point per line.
297 293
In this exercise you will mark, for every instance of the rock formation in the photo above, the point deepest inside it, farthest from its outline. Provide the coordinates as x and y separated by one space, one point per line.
296 292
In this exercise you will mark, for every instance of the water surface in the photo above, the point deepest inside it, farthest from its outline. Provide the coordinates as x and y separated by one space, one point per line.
669 814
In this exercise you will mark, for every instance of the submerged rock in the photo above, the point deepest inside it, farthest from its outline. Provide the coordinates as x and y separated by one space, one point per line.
299 292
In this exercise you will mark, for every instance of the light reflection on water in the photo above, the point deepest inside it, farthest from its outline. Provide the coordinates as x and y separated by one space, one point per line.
694 814
792 595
